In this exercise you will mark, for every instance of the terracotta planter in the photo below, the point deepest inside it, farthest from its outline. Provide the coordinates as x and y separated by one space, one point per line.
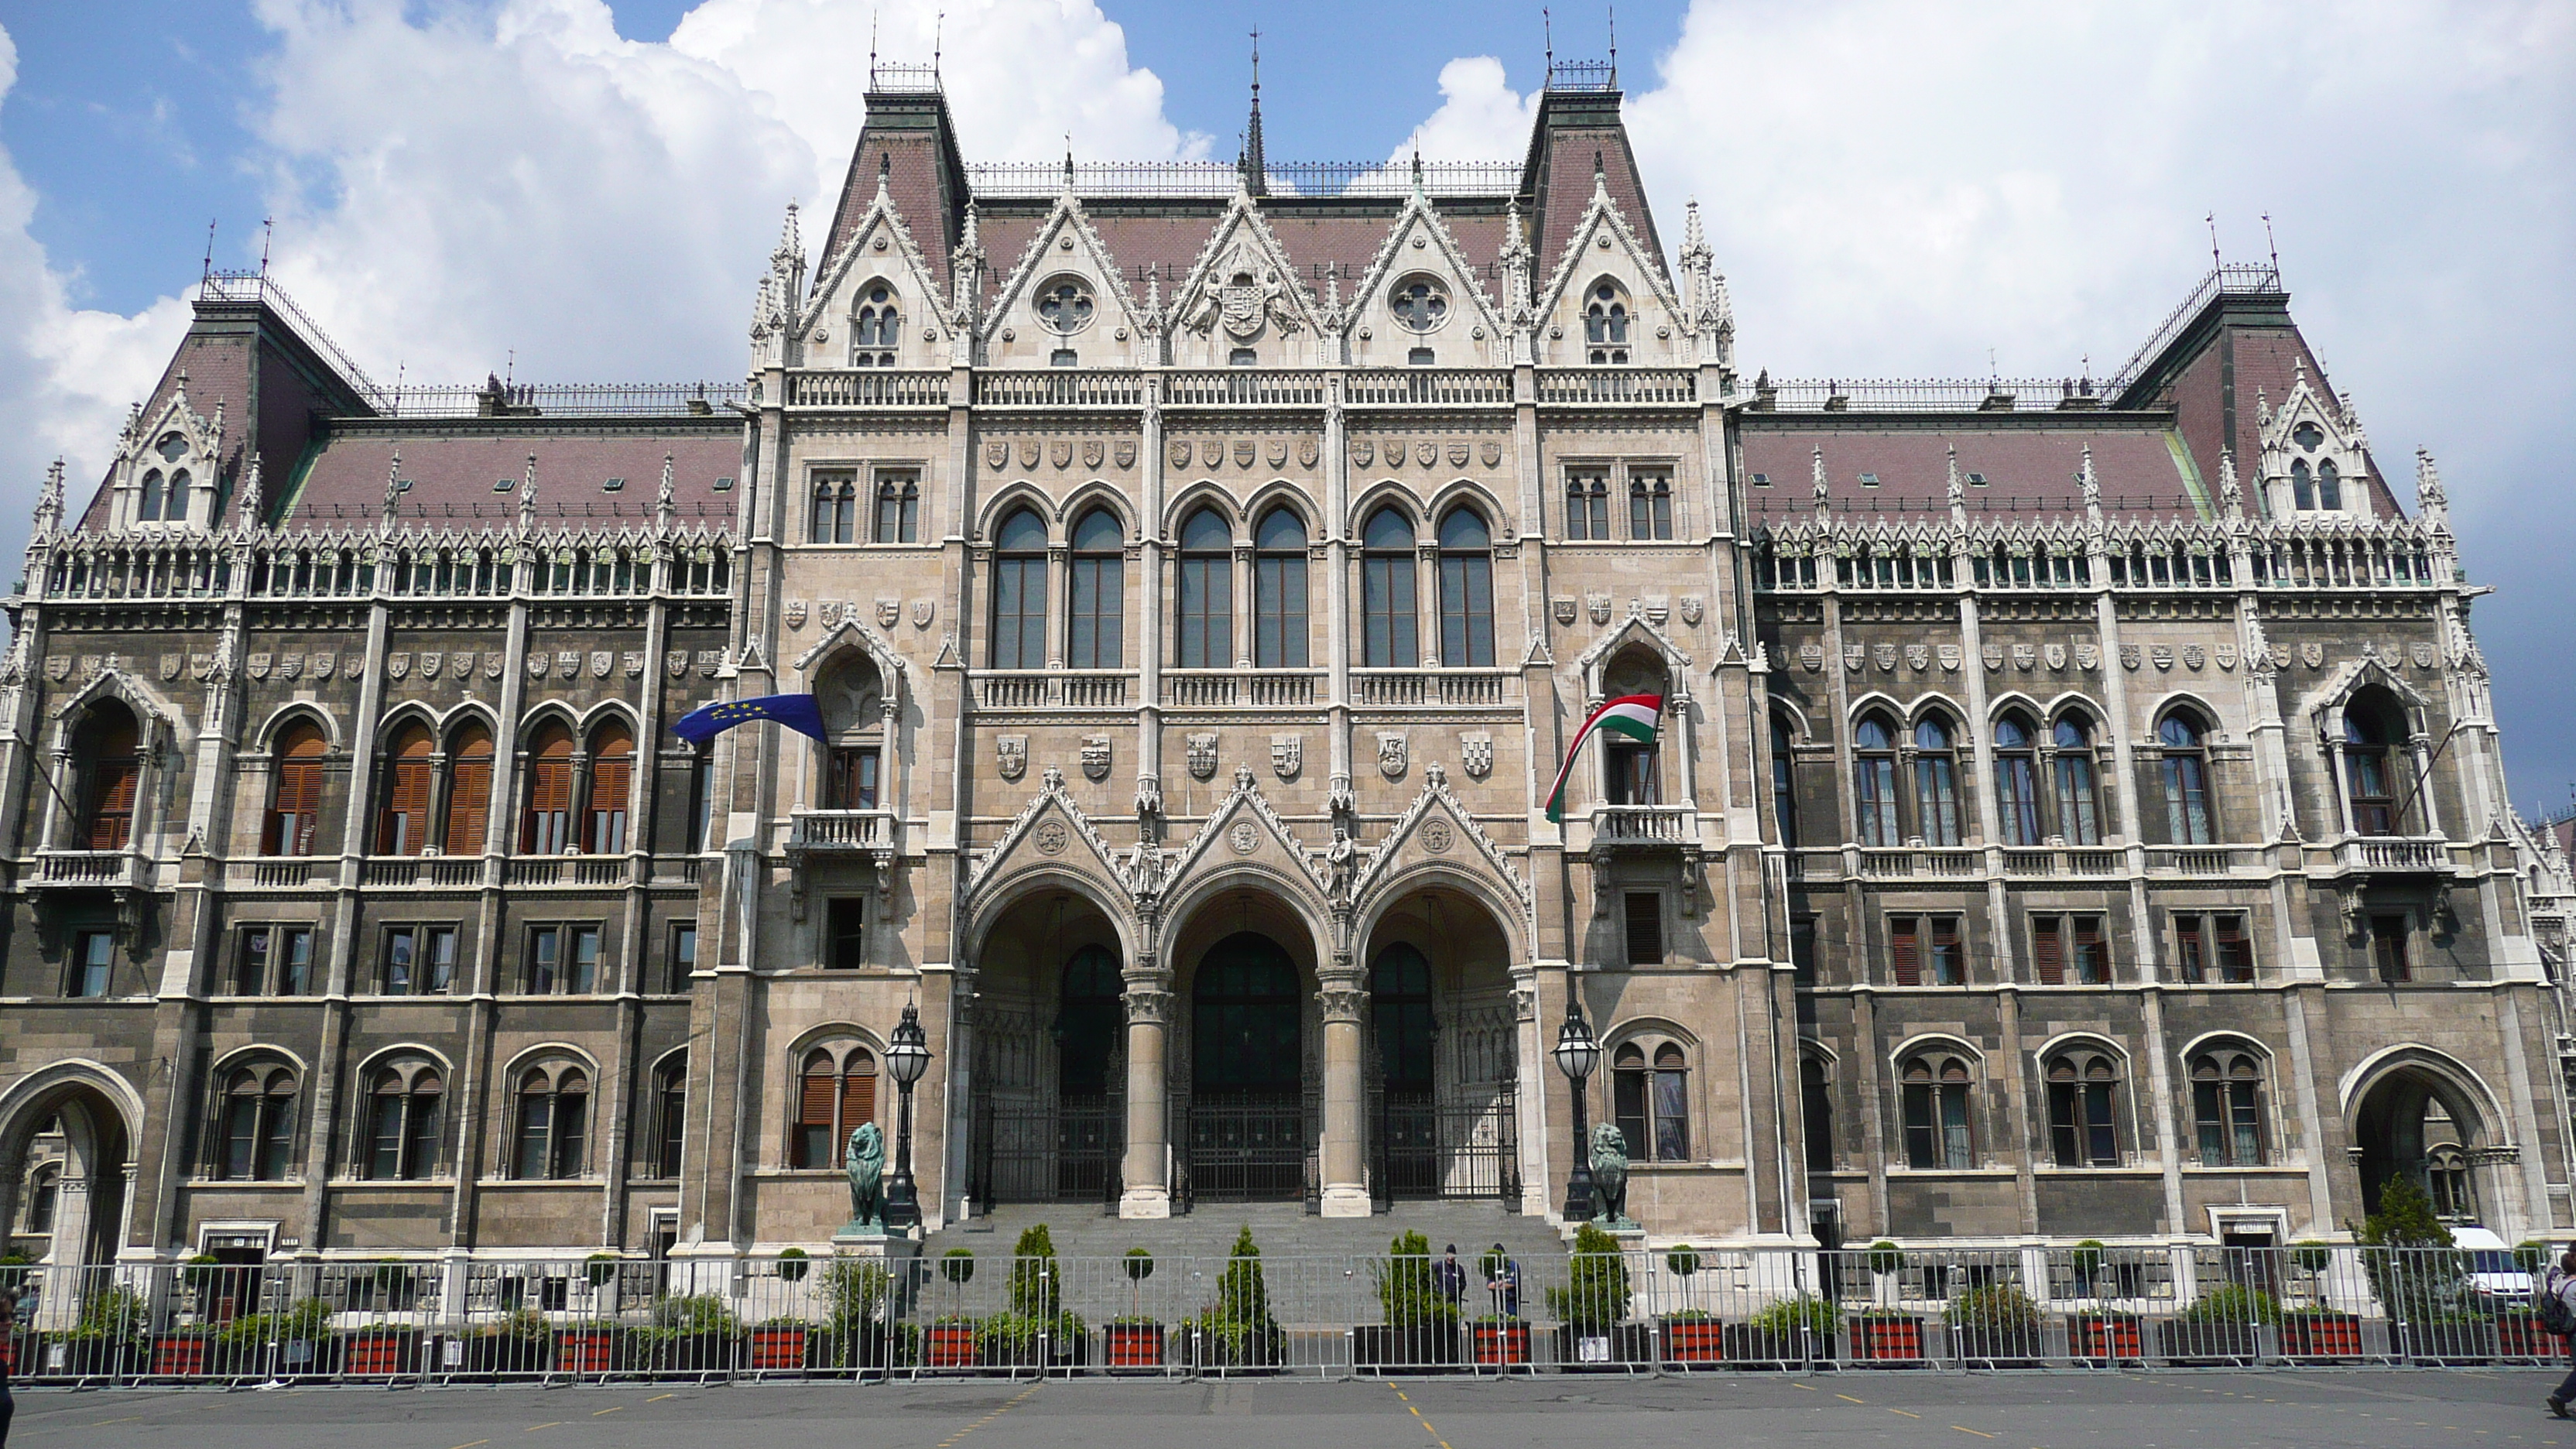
180 1354
948 1346
585 1351
2519 1335
2321 1335
775 1349
2109 1337
1700 1340
1887 1338
1133 1345
379 1354
1502 1345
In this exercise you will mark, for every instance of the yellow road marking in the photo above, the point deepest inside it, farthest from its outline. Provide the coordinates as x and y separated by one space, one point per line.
657 1398
532 1428
1009 1405
1810 1388
474 1445
1964 1429
128 1419
620 1409
1909 1413
1425 1423
1846 1398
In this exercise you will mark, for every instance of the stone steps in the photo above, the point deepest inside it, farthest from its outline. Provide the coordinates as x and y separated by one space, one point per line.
1283 1230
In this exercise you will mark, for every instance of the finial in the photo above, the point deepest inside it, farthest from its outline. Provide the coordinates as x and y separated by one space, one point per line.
49 502
393 487
1821 493
2231 494
2429 492
528 496
1958 486
251 511
2092 485
663 505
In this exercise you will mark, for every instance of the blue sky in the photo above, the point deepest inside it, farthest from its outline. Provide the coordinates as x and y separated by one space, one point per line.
1891 187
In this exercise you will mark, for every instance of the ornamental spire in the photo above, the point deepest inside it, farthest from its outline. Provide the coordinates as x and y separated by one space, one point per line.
49 501
1251 165
2092 487
251 510
1824 503
2430 495
662 502
1958 492
393 491
528 497
2231 494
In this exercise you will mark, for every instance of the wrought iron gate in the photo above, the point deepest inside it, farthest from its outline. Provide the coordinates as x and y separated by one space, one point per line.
1062 1153
1427 1148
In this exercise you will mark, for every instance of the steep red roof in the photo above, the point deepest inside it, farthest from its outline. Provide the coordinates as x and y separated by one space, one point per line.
454 474
2030 472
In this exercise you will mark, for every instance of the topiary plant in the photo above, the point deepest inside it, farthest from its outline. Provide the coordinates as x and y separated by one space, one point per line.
1140 1265
1885 1258
1683 1260
600 1268
2314 1257
957 1265
792 1266
1406 1289
2088 1260
1239 1323
1596 1292
1036 1288
1787 1316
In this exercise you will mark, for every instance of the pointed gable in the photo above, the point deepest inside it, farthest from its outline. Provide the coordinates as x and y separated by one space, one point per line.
1241 830
910 141
1421 290
1035 314
1579 135
1051 834
879 267
1609 300
1243 293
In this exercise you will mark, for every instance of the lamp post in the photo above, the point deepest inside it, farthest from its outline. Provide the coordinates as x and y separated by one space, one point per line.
1576 1054
907 1055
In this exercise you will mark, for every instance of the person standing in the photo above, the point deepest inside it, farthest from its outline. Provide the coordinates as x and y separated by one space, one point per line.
2558 1315
1450 1277
1503 1281
8 1349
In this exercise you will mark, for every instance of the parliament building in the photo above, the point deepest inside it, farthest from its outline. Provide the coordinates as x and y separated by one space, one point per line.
2077 812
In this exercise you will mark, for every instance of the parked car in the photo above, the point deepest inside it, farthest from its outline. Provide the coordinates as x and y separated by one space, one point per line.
2493 1274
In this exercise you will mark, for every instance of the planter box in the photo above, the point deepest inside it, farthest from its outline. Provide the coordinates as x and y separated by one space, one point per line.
1502 1345
81 1358
2519 1335
948 1346
2460 1340
1887 1338
1593 1350
1693 1341
1132 1345
586 1351
1390 1346
2184 1341
502 1353
775 1350
2019 1343
379 1354
2106 1337
1264 1349
2321 1335
181 1354
689 1353
1744 1343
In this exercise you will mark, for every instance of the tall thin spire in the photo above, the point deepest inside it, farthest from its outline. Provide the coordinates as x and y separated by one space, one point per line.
1254 166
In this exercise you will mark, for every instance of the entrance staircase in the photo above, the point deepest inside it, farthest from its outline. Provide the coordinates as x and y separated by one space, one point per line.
1282 1229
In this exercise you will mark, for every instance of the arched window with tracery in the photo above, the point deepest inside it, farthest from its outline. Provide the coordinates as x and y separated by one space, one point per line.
1466 590
670 1114
2189 816
1387 596
1605 324
295 790
547 826
1204 616
1020 591
402 816
108 750
553 1122
1587 504
1937 1130
836 1091
1936 783
1279 590
404 1108
2303 488
469 788
612 773
1816 1104
147 504
2017 780
2448 1183
898 506
877 329
1650 1097
255 1123
1874 780
1096 589
44 1190
836 508
2083 1093
2227 1106
174 504
2079 796
1650 505
2373 735
2329 487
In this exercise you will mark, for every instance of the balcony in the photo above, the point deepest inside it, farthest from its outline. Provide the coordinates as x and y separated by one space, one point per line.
1924 863
1381 688
2061 861
87 869
1243 387
1644 827
447 871
1626 386
277 872
1427 387
567 870
1059 388
2392 855
1244 688
833 830
1044 689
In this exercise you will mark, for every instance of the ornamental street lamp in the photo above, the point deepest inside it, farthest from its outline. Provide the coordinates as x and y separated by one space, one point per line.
907 1055
1576 1055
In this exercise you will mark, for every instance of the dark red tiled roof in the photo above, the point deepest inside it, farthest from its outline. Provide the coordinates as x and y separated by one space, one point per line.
453 474
2030 472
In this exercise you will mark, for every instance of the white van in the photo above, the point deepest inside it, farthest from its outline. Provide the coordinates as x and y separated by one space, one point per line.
2493 1274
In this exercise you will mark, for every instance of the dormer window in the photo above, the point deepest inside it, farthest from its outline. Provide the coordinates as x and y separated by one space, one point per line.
1420 304
1605 324
876 329
1065 306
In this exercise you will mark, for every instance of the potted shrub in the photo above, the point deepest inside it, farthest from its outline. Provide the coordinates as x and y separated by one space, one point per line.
1689 1335
693 1333
522 1343
2087 1262
1996 1322
1134 1340
294 1342
104 1338
2224 1323
2518 1333
777 1345
1421 1327
1886 1260
1592 1305
793 1265
1033 1327
1789 1330
600 1269
852 1295
1501 1339
949 1341
1886 1335
1236 1331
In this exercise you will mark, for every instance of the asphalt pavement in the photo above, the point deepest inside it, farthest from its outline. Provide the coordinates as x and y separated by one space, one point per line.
2145 1410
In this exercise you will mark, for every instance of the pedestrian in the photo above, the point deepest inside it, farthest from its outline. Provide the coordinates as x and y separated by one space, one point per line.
1503 1281
2558 1315
1450 1277
9 1338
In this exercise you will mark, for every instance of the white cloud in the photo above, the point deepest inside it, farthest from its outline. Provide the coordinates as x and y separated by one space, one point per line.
66 374
1481 118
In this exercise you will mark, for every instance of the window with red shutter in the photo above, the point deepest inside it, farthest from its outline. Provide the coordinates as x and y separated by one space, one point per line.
813 1145
1906 949
402 823
469 790
109 745
295 797
612 765
2048 949
858 1096
546 828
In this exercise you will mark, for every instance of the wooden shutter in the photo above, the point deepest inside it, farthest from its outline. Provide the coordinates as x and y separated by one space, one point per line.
403 827
2048 949
549 786
858 1098
469 793
299 790
2235 953
1906 951
111 815
814 1109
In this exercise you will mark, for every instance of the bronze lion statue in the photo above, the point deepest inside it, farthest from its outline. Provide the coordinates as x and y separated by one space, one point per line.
865 1162
1609 1173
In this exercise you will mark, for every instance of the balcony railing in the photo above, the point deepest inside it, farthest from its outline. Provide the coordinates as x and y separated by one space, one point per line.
274 872
1427 387
1040 689
2393 853
2062 861
1255 688
1644 825
1059 388
866 387
1617 385
1932 863
86 868
2210 861
1380 688
1243 387
842 830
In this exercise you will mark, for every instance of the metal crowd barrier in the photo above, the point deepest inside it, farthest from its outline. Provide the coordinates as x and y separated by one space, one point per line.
989 1313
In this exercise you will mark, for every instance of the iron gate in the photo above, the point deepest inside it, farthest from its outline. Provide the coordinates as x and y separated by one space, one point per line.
1064 1153
1428 1148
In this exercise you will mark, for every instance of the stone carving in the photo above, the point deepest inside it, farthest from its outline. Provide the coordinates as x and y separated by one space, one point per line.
1458 454
1029 451
1884 656
1179 452
494 663
1693 606
1095 757
601 661
1308 450
866 1167
1093 451
1657 611
2421 651
795 613
889 611
60 668
828 614
397 667
1051 837
710 661
1060 453
923 611
289 666
1610 1177
324 665
2054 655
1565 608
432 662
201 667
1437 837
1276 451
633 663
2088 656
2280 656
1011 755
170 666
1426 452
1243 452
1993 655
2313 654
537 664
1125 452
1287 755
2193 656
2025 656
1597 603
2130 656
1493 454
1855 656
676 662
2226 656
1812 656
1476 755
997 454
1363 452
1243 837
1203 755
1918 657
2162 656
1390 754
1949 656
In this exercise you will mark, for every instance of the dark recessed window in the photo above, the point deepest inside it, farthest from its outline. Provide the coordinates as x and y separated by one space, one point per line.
1761 480
847 949
1869 480
1645 928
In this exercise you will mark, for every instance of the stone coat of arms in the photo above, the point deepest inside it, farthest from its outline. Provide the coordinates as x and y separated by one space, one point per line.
1011 755
1095 757
1476 755
1203 755
1390 754
1287 755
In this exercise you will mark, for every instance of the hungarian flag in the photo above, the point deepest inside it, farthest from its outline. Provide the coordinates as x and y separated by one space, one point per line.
799 712
1633 715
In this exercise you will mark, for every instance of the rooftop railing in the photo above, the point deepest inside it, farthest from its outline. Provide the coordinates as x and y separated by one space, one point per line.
577 399
256 287
1219 179
2221 281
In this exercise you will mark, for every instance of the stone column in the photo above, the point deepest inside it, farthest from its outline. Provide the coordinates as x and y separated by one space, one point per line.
1346 1193
1145 1170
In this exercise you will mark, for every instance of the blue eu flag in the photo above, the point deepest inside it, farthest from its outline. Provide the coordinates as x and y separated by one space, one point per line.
798 712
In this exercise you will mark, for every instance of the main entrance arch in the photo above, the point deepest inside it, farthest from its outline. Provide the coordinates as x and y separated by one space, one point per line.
1048 1088
1442 1061
1247 1106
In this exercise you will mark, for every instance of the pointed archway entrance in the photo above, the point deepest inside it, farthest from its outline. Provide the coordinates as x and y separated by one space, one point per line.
1247 1106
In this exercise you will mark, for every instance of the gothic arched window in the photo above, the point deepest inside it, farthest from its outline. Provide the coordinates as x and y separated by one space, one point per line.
1205 613
295 791
1279 591
836 1091
898 507
553 1120
1651 1099
1097 593
1874 781
612 772
147 507
547 827
110 758
2017 780
403 1122
2188 814
1937 1130
2227 1106
1605 323
1466 591
1936 783
254 1134
836 508
1020 592
2083 1088
2079 800
2370 768
2329 487
876 329
670 1114
1387 596
402 816
469 788
174 504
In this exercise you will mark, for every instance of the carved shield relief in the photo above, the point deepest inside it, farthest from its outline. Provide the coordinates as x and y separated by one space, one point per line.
1458 454
1287 755
1203 755
1029 453
1243 452
676 662
1426 452
1812 656
1597 603
1993 655
1095 757
1476 755
2313 654
1363 452
1565 608
1060 453
997 454
601 661
1277 452
1307 452
1011 755
1093 451
1493 453
397 667
2193 656
1179 452
889 613
1884 655
1391 754
432 662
